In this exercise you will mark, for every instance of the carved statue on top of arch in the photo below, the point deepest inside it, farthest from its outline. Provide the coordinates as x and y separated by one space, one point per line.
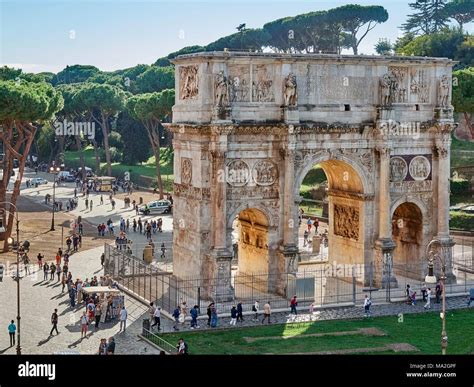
290 94
444 90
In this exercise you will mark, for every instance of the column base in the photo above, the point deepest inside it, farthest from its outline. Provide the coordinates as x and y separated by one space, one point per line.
384 276
223 288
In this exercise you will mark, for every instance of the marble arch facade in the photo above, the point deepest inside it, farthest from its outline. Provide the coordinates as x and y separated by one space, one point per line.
253 125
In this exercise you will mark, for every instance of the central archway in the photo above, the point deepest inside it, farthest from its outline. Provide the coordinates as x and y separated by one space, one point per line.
347 208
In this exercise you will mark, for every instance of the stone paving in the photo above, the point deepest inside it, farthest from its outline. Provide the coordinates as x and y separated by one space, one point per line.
38 300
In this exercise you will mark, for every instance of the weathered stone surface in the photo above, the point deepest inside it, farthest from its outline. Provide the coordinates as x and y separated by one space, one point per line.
244 141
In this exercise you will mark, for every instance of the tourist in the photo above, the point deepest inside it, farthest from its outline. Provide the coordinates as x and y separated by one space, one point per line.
311 308
413 298
101 199
240 316
58 259
103 347
428 299
233 315
40 260
72 296
26 263
367 304
151 311
58 272
111 346
438 291
163 250
255 309
423 292
53 271
84 324
194 315
316 225
213 315
123 318
12 332
267 311
102 259
209 315
293 305
54 321
98 314
182 347
45 271
157 318
309 224
176 318
90 205
408 294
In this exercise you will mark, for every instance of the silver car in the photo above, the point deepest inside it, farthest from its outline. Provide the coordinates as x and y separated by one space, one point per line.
156 207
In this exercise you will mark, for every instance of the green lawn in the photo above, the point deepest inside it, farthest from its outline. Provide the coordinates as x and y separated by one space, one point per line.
420 330
146 170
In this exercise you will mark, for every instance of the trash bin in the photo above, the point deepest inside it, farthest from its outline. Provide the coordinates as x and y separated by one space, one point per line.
145 326
316 244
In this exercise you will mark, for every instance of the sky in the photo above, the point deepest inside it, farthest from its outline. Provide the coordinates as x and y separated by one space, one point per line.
45 35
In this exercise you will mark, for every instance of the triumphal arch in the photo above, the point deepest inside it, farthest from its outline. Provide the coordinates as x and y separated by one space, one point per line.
249 126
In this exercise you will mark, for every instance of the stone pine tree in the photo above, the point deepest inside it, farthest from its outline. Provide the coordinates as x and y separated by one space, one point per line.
23 107
72 111
463 95
151 109
429 17
460 10
103 102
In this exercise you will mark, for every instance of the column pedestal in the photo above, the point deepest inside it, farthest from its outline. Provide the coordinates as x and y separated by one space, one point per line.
383 275
446 248
224 290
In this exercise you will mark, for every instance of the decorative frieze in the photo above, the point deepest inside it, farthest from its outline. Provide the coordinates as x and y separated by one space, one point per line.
346 221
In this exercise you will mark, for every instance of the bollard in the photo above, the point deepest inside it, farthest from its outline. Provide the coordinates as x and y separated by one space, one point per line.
1 273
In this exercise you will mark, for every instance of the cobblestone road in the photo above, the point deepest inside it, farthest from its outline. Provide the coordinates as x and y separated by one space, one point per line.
38 300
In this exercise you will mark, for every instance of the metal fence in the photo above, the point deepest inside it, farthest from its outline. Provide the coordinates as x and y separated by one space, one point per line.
324 285
159 341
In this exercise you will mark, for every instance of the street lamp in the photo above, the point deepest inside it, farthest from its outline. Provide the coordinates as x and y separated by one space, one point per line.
54 170
10 241
431 256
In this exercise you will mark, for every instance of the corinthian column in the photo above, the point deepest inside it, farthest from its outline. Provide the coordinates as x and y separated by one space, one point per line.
384 245
443 188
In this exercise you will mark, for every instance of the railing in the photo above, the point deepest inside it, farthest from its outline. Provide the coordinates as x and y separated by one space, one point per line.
324 285
159 341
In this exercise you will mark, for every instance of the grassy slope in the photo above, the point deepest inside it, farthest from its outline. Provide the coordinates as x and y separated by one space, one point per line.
420 330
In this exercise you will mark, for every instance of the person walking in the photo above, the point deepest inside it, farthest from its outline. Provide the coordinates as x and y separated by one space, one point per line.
428 299
438 292
102 259
240 316
53 271
123 318
163 250
12 332
423 292
98 315
40 257
255 309
209 315
45 272
157 318
309 224
213 315
101 199
90 205
58 272
111 346
54 321
194 315
103 347
293 305
84 324
267 311
182 347
367 304
176 318
151 311
233 315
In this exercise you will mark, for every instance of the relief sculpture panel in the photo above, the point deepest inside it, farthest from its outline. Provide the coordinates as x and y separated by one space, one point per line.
346 221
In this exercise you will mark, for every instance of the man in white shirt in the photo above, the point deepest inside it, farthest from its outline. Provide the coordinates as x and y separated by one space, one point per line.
156 316
428 299
123 318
